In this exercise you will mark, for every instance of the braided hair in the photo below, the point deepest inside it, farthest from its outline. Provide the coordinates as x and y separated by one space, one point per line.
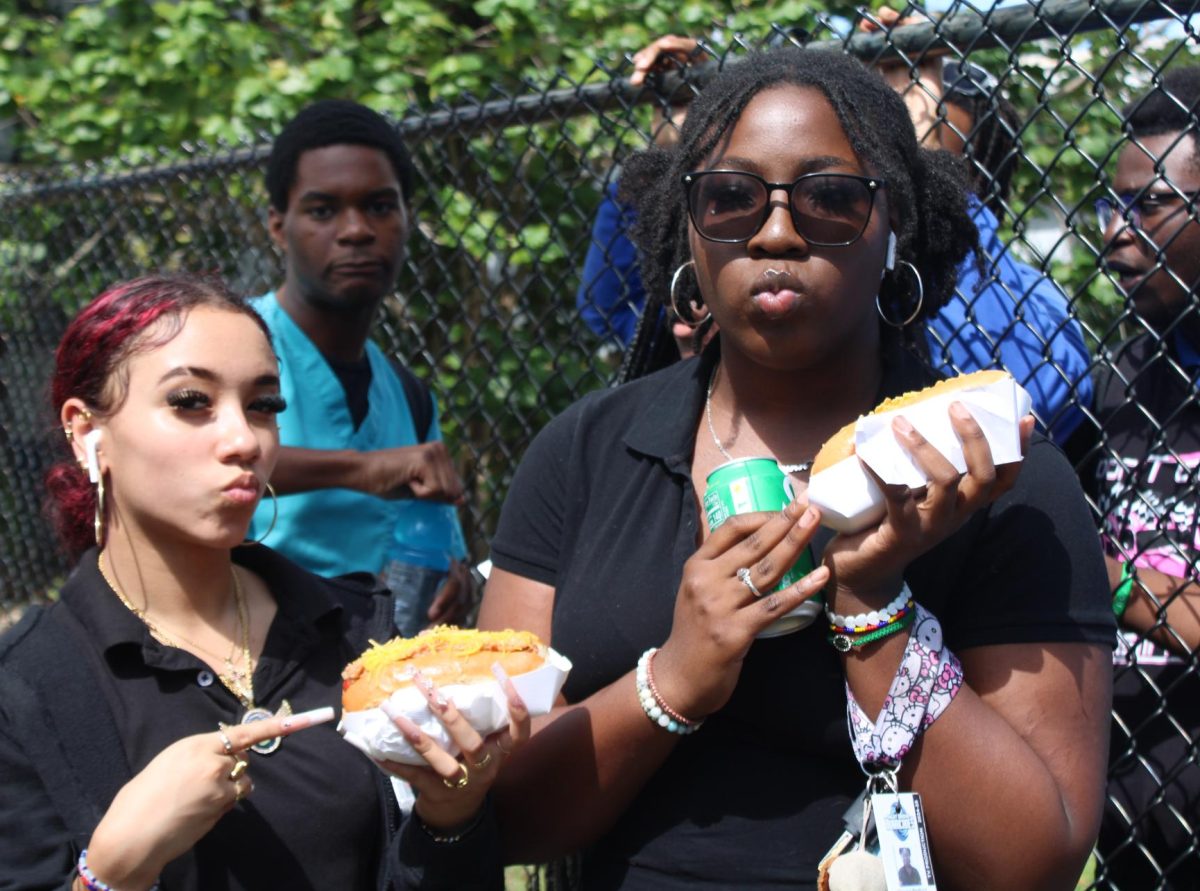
926 190
333 122
992 145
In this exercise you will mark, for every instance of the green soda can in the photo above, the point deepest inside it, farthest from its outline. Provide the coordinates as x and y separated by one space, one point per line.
757 484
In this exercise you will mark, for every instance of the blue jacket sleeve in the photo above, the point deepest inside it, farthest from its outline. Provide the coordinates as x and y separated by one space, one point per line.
610 296
1015 318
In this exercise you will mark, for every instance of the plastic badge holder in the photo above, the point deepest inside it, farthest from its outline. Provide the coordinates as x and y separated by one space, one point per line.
849 498
483 704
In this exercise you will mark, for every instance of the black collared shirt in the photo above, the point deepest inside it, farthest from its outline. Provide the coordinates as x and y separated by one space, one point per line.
315 818
603 509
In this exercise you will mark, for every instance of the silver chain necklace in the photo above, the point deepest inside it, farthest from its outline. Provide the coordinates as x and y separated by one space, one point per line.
802 467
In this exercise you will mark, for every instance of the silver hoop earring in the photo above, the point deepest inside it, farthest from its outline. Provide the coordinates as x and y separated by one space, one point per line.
274 517
98 521
920 289
688 319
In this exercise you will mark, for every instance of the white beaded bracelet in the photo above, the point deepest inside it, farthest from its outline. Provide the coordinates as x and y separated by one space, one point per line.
652 704
874 617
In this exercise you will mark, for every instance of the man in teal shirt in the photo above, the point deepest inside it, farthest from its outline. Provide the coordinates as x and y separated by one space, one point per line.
364 480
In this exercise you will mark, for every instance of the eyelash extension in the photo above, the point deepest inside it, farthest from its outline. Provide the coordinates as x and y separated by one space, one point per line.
185 399
272 404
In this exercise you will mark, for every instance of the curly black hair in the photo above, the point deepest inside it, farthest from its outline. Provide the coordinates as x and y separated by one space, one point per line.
1172 106
927 191
333 122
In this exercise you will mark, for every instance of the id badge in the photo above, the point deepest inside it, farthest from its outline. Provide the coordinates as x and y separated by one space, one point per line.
903 841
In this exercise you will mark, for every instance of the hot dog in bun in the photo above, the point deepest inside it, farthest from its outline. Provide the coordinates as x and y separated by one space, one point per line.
445 654
841 444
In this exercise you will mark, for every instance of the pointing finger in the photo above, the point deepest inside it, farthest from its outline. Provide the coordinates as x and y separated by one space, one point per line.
243 736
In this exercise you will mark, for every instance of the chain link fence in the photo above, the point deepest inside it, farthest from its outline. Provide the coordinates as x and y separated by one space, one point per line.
486 310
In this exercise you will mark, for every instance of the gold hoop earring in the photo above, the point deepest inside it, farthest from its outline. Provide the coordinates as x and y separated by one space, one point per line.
274 517
920 289
689 319
98 521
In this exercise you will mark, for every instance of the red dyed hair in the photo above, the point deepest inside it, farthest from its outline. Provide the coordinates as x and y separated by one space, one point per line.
90 364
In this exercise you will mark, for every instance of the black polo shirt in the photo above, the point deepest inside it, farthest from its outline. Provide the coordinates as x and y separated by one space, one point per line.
603 509
315 819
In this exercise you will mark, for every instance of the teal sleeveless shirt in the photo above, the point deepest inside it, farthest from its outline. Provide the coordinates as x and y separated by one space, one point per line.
335 531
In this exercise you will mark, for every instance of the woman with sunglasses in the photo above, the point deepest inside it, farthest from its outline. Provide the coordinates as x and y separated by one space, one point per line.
149 718
691 751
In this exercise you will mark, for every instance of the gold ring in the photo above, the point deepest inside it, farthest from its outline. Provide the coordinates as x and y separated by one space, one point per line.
461 782
225 740
239 768
240 791
483 762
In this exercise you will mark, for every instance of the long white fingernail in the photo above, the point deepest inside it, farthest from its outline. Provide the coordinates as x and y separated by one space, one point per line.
310 718
499 672
390 709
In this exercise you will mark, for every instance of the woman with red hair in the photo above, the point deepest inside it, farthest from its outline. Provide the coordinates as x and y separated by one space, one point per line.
146 718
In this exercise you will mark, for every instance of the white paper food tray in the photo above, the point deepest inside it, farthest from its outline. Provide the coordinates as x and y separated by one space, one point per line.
849 498
483 704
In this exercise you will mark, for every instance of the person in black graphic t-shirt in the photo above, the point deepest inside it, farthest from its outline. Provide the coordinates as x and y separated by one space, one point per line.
1144 480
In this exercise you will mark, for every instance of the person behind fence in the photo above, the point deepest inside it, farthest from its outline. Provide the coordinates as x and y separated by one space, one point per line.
1145 477
1006 314
165 722
364 479
610 295
691 750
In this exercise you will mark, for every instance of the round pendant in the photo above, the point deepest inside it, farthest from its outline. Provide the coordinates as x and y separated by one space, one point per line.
267 746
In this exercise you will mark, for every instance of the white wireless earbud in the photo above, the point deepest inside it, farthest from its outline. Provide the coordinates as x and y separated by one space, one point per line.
890 263
90 442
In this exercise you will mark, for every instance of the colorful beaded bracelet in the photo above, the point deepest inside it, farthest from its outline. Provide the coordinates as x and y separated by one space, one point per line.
652 703
844 642
90 882
863 622
884 622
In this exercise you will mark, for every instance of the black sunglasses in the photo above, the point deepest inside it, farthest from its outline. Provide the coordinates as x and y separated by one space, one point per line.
828 209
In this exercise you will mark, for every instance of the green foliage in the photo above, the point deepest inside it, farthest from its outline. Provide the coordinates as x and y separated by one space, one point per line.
110 75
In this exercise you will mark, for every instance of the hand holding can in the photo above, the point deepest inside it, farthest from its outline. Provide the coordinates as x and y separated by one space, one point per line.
758 484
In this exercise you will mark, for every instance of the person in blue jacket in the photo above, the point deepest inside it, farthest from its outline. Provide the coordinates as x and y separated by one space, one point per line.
1012 315
1007 315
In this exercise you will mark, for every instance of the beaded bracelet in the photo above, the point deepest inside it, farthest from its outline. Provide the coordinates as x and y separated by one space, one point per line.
857 624
90 882
652 702
451 837
1123 591
844 641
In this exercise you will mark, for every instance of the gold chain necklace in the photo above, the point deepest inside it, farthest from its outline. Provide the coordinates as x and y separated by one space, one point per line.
239 681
